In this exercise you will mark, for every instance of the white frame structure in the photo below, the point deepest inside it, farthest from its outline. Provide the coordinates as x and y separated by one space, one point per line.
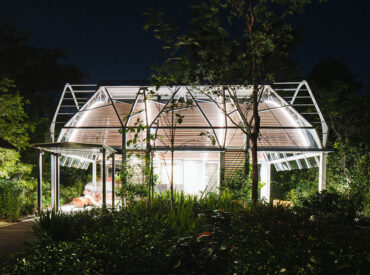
290 109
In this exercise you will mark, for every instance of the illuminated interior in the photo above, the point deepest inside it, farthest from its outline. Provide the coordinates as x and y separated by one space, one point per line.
288 138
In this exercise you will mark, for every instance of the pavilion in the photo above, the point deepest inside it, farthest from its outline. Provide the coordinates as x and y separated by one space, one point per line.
93 122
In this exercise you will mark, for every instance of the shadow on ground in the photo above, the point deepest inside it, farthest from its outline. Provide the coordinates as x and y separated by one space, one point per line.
13 238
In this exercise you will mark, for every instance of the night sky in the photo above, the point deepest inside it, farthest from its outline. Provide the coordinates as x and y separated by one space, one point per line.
107 41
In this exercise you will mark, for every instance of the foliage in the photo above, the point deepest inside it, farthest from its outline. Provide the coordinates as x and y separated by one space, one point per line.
343 104
216 48
238 185
10 199
199 236
229 43
346 111
13 125
133 176
37 72
345 108
132 191
27 75
62 227
16 184
290 185
11 165
331 207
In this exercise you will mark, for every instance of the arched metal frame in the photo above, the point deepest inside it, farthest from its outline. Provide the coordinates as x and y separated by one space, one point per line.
116 108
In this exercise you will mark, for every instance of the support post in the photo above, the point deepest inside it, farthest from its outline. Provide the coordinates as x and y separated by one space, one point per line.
101 171
222 169
266 181
104 179
113 179
39 183
124 157
52 180
57 182
94 173
322 171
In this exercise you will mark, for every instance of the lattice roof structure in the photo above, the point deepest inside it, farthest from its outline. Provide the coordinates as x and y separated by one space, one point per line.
293 131
192 129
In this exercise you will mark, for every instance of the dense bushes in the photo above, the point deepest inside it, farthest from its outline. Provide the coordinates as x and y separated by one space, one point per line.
214 235
10 199
16 186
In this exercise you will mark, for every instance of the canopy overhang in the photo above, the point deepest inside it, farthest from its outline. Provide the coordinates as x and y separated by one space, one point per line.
71 149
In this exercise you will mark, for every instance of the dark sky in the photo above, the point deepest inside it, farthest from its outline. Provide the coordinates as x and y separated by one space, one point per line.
107 41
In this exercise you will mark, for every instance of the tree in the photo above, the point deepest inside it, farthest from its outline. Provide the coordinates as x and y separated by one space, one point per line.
230 42
39 76
344 104
37 72
14 127
345 107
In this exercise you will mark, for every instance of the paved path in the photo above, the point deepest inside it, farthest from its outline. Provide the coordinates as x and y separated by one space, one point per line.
12 238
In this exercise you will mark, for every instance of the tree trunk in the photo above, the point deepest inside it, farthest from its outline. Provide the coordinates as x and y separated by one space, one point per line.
172 152
253 139
246 159
171 183
148 163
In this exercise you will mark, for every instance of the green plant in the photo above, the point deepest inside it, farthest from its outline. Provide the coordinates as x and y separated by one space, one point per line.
10 199
59 226
238 185
199 235
331 207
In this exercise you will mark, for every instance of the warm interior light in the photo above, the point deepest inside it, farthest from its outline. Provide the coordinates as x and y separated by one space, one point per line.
291 119
83 117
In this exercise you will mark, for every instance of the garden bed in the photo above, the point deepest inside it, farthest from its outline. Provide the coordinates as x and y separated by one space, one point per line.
215 235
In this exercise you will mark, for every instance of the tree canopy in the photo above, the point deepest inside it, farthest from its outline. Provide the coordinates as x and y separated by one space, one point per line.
230 42
37 72
14 127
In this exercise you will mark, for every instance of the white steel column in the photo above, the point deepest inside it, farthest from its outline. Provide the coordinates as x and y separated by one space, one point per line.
104 177
52 180
322 171
266 181
94 173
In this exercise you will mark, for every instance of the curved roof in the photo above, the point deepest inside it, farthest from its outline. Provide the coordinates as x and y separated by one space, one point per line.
200 121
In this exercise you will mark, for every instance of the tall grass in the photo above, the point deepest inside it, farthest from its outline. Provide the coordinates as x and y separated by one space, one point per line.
10 199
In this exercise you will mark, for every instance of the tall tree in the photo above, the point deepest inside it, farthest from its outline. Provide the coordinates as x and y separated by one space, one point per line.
345 106
14 129
38 73
227 43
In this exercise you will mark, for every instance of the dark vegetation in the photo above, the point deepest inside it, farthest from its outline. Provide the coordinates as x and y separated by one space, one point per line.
31 79
214 235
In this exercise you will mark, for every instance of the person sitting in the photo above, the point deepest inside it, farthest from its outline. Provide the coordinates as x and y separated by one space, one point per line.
89 198
89 194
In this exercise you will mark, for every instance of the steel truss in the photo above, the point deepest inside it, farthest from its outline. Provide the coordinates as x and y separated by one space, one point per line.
73 103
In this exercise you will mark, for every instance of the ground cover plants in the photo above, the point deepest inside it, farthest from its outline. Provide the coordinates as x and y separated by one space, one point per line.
212 235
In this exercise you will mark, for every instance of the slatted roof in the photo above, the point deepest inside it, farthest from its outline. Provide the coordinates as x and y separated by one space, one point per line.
204 126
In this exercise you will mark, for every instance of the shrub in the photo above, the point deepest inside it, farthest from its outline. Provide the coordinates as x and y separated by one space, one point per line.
198 236
16 186
59 226
10 199
331 207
